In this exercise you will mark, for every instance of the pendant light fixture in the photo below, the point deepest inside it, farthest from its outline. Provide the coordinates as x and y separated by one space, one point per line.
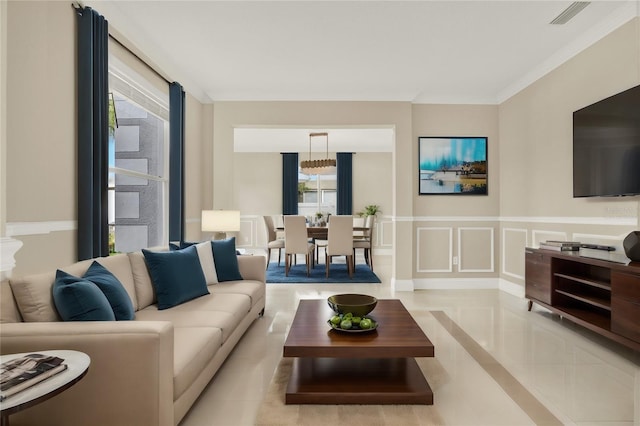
326 166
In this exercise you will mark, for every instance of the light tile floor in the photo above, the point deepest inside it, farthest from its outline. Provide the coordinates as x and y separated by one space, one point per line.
579 377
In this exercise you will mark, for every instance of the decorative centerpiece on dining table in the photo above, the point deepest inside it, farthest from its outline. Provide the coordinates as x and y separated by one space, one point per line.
319 219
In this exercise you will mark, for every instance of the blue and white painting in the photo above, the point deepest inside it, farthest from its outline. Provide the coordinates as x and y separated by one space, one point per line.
453 165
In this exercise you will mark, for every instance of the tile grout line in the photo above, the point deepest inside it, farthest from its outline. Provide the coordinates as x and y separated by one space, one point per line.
520 395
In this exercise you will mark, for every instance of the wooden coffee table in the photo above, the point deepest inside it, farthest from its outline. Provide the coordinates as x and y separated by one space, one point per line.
376 367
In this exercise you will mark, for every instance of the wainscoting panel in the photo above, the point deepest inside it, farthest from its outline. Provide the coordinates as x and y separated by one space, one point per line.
383 233
434 249
248 236
514 241
476 249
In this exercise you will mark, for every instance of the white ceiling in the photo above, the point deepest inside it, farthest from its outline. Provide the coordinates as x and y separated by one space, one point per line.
470 52
417 51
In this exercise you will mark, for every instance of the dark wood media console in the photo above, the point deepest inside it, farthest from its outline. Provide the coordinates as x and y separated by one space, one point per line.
599 295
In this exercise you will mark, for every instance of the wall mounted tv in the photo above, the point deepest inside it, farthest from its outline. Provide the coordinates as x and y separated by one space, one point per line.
606 147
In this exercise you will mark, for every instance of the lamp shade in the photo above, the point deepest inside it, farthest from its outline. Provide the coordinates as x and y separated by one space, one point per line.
221 220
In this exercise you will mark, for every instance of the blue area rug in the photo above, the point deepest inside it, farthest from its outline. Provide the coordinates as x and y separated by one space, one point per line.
337 274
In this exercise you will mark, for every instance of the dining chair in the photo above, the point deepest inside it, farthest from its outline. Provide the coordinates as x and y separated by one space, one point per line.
296 242
358 222
366 243
340 241
273 242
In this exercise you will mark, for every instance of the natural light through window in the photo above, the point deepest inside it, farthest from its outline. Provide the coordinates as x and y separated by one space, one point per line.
316 196
138 177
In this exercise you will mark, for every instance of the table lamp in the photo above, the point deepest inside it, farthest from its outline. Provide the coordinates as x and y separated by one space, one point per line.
220 222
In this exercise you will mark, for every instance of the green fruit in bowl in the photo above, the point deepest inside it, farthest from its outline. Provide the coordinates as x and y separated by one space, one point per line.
347 315
346 324
356 320
365 324
335 320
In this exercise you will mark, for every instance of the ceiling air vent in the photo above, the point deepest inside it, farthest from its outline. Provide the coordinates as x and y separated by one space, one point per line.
571 11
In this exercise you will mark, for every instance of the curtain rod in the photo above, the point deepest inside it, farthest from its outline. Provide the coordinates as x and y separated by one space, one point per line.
78 5
112 37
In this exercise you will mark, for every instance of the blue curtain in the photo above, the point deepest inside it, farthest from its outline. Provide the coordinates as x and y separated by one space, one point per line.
290 183
93 134
176 162
344 196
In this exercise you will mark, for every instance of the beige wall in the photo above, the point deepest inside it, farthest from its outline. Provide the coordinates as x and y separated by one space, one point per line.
41 130
456 235
3 117
536 128
536 193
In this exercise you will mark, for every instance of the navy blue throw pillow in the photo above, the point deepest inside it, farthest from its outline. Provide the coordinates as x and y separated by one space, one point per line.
176 275
181 245
113 289
78 299
226 259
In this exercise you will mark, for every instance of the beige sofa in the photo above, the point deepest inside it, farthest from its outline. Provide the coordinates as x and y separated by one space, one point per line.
148 371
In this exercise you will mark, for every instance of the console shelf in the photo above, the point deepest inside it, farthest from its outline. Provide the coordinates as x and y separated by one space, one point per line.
599 295
599 284
594 301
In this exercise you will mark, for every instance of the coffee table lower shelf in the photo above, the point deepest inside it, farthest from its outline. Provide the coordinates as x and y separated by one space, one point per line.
357 381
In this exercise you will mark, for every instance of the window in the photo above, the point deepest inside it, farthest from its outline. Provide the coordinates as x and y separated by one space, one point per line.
316 193
138 169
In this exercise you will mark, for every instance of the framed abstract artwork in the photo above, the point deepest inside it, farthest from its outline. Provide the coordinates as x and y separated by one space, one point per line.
452 165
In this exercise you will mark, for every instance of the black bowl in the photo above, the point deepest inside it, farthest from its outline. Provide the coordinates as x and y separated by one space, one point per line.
358 304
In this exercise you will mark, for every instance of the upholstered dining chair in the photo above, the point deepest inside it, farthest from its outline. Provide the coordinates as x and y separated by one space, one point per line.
273 242
340 241
296 242
359 222
366 242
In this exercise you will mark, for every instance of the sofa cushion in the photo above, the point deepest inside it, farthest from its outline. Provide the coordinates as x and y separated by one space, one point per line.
176 276
145 293
255 290
8 308
34 297
224 311
179 245
205 254
78 299
193 349
112 289
120 266
226 259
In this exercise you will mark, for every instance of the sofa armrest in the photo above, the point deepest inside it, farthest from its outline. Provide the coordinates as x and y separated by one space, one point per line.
253 268
129 381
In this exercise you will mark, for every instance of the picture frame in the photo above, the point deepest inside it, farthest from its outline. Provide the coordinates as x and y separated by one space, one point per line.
453 165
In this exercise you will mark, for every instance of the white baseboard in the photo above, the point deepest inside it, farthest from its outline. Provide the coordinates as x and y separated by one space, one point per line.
455 283
402 285
513 289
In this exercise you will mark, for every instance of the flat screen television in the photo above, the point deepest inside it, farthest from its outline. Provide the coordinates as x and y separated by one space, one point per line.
606 147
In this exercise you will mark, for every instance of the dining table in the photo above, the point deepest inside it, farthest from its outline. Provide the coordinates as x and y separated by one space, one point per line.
322 232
